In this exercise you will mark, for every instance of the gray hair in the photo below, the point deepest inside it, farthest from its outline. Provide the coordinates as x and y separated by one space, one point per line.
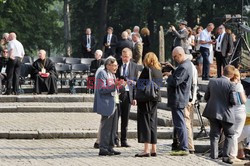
5 35
99 52
125 35
109 60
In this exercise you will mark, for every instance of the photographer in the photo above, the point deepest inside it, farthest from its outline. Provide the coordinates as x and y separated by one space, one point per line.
181 36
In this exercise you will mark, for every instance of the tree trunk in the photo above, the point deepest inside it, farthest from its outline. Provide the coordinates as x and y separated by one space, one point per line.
67 34
102 20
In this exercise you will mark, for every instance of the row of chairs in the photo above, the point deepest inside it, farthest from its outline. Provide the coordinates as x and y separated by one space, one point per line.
60 60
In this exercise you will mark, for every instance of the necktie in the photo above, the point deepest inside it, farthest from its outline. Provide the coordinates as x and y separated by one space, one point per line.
88 40
124 70
219 38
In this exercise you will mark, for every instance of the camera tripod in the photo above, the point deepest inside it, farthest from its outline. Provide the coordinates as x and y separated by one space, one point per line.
203 129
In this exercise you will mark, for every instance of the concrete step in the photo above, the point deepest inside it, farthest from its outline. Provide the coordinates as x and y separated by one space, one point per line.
163 105
62 125
48 98
13 107
165 118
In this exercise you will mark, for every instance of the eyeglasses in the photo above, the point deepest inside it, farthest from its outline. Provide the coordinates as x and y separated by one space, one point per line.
5 51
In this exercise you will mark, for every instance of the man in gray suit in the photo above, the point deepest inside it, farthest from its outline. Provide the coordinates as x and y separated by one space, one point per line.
219 98
223 48
105 100
181 36
128 71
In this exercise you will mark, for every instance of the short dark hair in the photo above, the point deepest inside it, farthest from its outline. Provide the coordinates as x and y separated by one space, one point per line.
111 28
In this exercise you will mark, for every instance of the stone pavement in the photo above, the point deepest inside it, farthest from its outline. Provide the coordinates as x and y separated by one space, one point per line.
74 152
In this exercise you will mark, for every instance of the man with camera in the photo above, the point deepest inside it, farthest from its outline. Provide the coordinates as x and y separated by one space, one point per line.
181 36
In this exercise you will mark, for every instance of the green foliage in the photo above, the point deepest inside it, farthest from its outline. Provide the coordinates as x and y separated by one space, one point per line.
37 24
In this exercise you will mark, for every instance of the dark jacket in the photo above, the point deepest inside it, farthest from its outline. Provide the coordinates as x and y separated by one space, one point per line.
3 62
132 75
219 98
95 64
112 44
124 43
92 44
156 77
179 85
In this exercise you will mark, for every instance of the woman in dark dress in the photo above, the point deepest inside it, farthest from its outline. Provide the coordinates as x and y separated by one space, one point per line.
147 111
146 41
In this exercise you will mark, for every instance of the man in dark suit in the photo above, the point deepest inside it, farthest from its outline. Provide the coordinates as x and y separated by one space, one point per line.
88 44
178 87
123 43
219 99
223 48
127 70
181 36
109 43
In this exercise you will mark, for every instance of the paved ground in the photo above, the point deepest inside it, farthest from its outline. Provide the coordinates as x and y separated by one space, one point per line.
71 152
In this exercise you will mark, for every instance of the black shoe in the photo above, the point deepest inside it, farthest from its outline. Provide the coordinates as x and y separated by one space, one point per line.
191 151
105 153
114 152
153 154
96 145
125 144
142 155
175 146
6 93
227 160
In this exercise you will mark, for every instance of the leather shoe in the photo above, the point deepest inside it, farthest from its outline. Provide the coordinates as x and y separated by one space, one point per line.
114 152
125 144
6 93
153 154
142 155
96 145
105 153
227 160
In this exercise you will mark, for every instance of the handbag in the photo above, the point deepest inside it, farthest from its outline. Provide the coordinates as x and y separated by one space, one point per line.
149 91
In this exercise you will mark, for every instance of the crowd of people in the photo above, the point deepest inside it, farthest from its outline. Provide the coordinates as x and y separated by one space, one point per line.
119 76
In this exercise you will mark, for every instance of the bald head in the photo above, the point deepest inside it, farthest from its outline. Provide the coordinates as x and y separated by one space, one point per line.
178 54
42 54
124 35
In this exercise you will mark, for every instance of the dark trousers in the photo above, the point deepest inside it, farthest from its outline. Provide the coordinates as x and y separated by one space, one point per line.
216 127
45 84
109 52
147 122
124 110
13 74
2 77
206 64
87 54
180 127
108 131
220 61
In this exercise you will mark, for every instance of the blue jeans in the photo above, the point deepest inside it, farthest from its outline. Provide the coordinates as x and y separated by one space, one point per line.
206 65
180 127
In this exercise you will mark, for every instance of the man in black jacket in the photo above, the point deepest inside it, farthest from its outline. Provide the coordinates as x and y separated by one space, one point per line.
88 44
109 43
178 88
123 43
128 71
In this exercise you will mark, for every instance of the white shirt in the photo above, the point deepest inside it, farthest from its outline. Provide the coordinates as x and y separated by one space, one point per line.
190 39
109 36
219 41
126 74
205 36
17 48
88 41
194 83
239 88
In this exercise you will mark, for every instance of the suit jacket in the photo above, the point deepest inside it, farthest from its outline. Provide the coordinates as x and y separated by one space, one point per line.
219 98
227 44
104 101
137 53
92 45
113 43
181 38
179 85
124 43
132 75
95 64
